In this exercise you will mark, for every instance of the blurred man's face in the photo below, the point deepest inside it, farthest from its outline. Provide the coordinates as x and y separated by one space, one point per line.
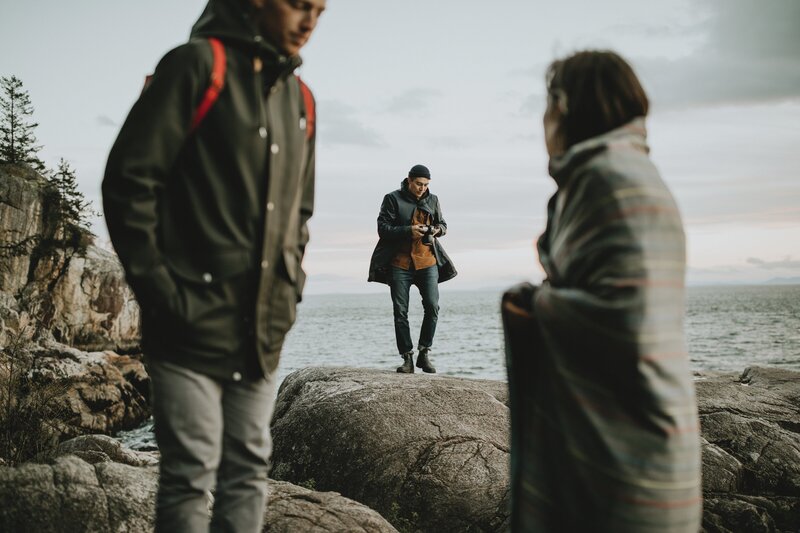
288 24
418 186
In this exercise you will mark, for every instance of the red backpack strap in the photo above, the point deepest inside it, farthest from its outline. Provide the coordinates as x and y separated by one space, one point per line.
216 83
308 100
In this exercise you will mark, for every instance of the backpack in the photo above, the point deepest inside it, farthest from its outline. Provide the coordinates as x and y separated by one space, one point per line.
217 82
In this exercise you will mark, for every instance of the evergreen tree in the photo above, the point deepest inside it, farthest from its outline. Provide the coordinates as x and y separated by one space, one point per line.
17 141
71 208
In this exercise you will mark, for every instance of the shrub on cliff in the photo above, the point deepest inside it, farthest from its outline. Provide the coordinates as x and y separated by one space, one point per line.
29 408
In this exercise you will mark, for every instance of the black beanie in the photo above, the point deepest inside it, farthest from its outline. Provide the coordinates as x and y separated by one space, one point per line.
419 171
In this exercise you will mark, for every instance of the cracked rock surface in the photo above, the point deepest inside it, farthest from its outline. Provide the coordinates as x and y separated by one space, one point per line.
292 509
93 484
751 450
430 453
71 494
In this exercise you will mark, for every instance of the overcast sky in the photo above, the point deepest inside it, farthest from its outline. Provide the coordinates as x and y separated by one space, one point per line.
458 86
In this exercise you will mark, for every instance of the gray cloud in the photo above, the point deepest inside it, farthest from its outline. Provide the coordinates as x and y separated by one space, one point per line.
413 101
106 121
787 263
341 126
751 54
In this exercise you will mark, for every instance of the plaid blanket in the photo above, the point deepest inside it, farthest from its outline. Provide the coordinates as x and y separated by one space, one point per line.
605 433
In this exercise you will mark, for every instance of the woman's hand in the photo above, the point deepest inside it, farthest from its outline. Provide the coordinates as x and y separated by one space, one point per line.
518 301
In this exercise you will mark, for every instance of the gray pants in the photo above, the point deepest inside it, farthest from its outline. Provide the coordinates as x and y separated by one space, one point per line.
210 433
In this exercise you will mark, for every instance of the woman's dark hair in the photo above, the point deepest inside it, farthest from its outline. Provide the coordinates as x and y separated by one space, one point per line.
602 93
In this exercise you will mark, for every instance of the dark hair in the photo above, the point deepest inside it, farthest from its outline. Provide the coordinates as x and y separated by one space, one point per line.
602 93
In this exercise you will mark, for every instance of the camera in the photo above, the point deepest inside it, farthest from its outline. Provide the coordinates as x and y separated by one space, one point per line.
427 235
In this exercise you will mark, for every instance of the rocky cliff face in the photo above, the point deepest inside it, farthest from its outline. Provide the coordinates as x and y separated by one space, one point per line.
92 307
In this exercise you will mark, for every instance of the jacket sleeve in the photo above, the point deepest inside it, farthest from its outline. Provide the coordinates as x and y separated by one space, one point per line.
387 221
441 225
139 166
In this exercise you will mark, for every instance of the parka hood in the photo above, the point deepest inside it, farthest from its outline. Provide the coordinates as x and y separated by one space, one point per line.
232 21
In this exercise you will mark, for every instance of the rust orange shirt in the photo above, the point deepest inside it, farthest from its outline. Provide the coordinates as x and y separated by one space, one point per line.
413 252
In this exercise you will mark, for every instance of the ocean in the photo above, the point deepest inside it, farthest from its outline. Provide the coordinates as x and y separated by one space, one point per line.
727 327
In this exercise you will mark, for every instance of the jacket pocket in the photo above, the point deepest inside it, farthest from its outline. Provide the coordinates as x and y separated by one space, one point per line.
208 268
216 293
293 270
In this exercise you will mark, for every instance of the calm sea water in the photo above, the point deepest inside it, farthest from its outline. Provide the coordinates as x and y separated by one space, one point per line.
727 328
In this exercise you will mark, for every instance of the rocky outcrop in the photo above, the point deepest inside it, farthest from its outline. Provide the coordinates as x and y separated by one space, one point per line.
100 487
94 309
21 219
428 453
89 306
102 449
292 509
100 392
751 450
71 494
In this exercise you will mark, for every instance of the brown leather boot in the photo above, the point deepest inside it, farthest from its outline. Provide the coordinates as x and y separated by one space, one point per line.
408 363
424 363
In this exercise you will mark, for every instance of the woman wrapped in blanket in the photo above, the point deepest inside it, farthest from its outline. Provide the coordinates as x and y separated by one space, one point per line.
604 426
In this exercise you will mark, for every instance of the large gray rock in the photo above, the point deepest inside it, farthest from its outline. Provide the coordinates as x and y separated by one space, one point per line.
751 450
71 495
429 453
92 484
292 509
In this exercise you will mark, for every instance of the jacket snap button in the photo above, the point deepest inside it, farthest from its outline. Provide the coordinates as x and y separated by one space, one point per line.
270 206
207 277
237 376
264 263
262 132
274 149
302 123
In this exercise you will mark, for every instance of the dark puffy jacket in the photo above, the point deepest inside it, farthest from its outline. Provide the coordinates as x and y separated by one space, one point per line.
394 229
210 224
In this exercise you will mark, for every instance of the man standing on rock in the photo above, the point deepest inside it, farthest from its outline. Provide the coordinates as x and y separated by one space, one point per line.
408 253
207 193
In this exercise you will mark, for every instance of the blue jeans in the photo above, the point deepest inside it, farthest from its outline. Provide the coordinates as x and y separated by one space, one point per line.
427 281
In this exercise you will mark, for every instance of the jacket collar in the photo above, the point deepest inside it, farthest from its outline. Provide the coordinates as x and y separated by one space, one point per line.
404 190
632 135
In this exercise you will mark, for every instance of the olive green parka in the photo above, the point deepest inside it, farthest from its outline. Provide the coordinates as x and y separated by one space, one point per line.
210 223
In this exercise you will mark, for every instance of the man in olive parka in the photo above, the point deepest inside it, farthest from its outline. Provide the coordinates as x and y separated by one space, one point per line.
209 221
